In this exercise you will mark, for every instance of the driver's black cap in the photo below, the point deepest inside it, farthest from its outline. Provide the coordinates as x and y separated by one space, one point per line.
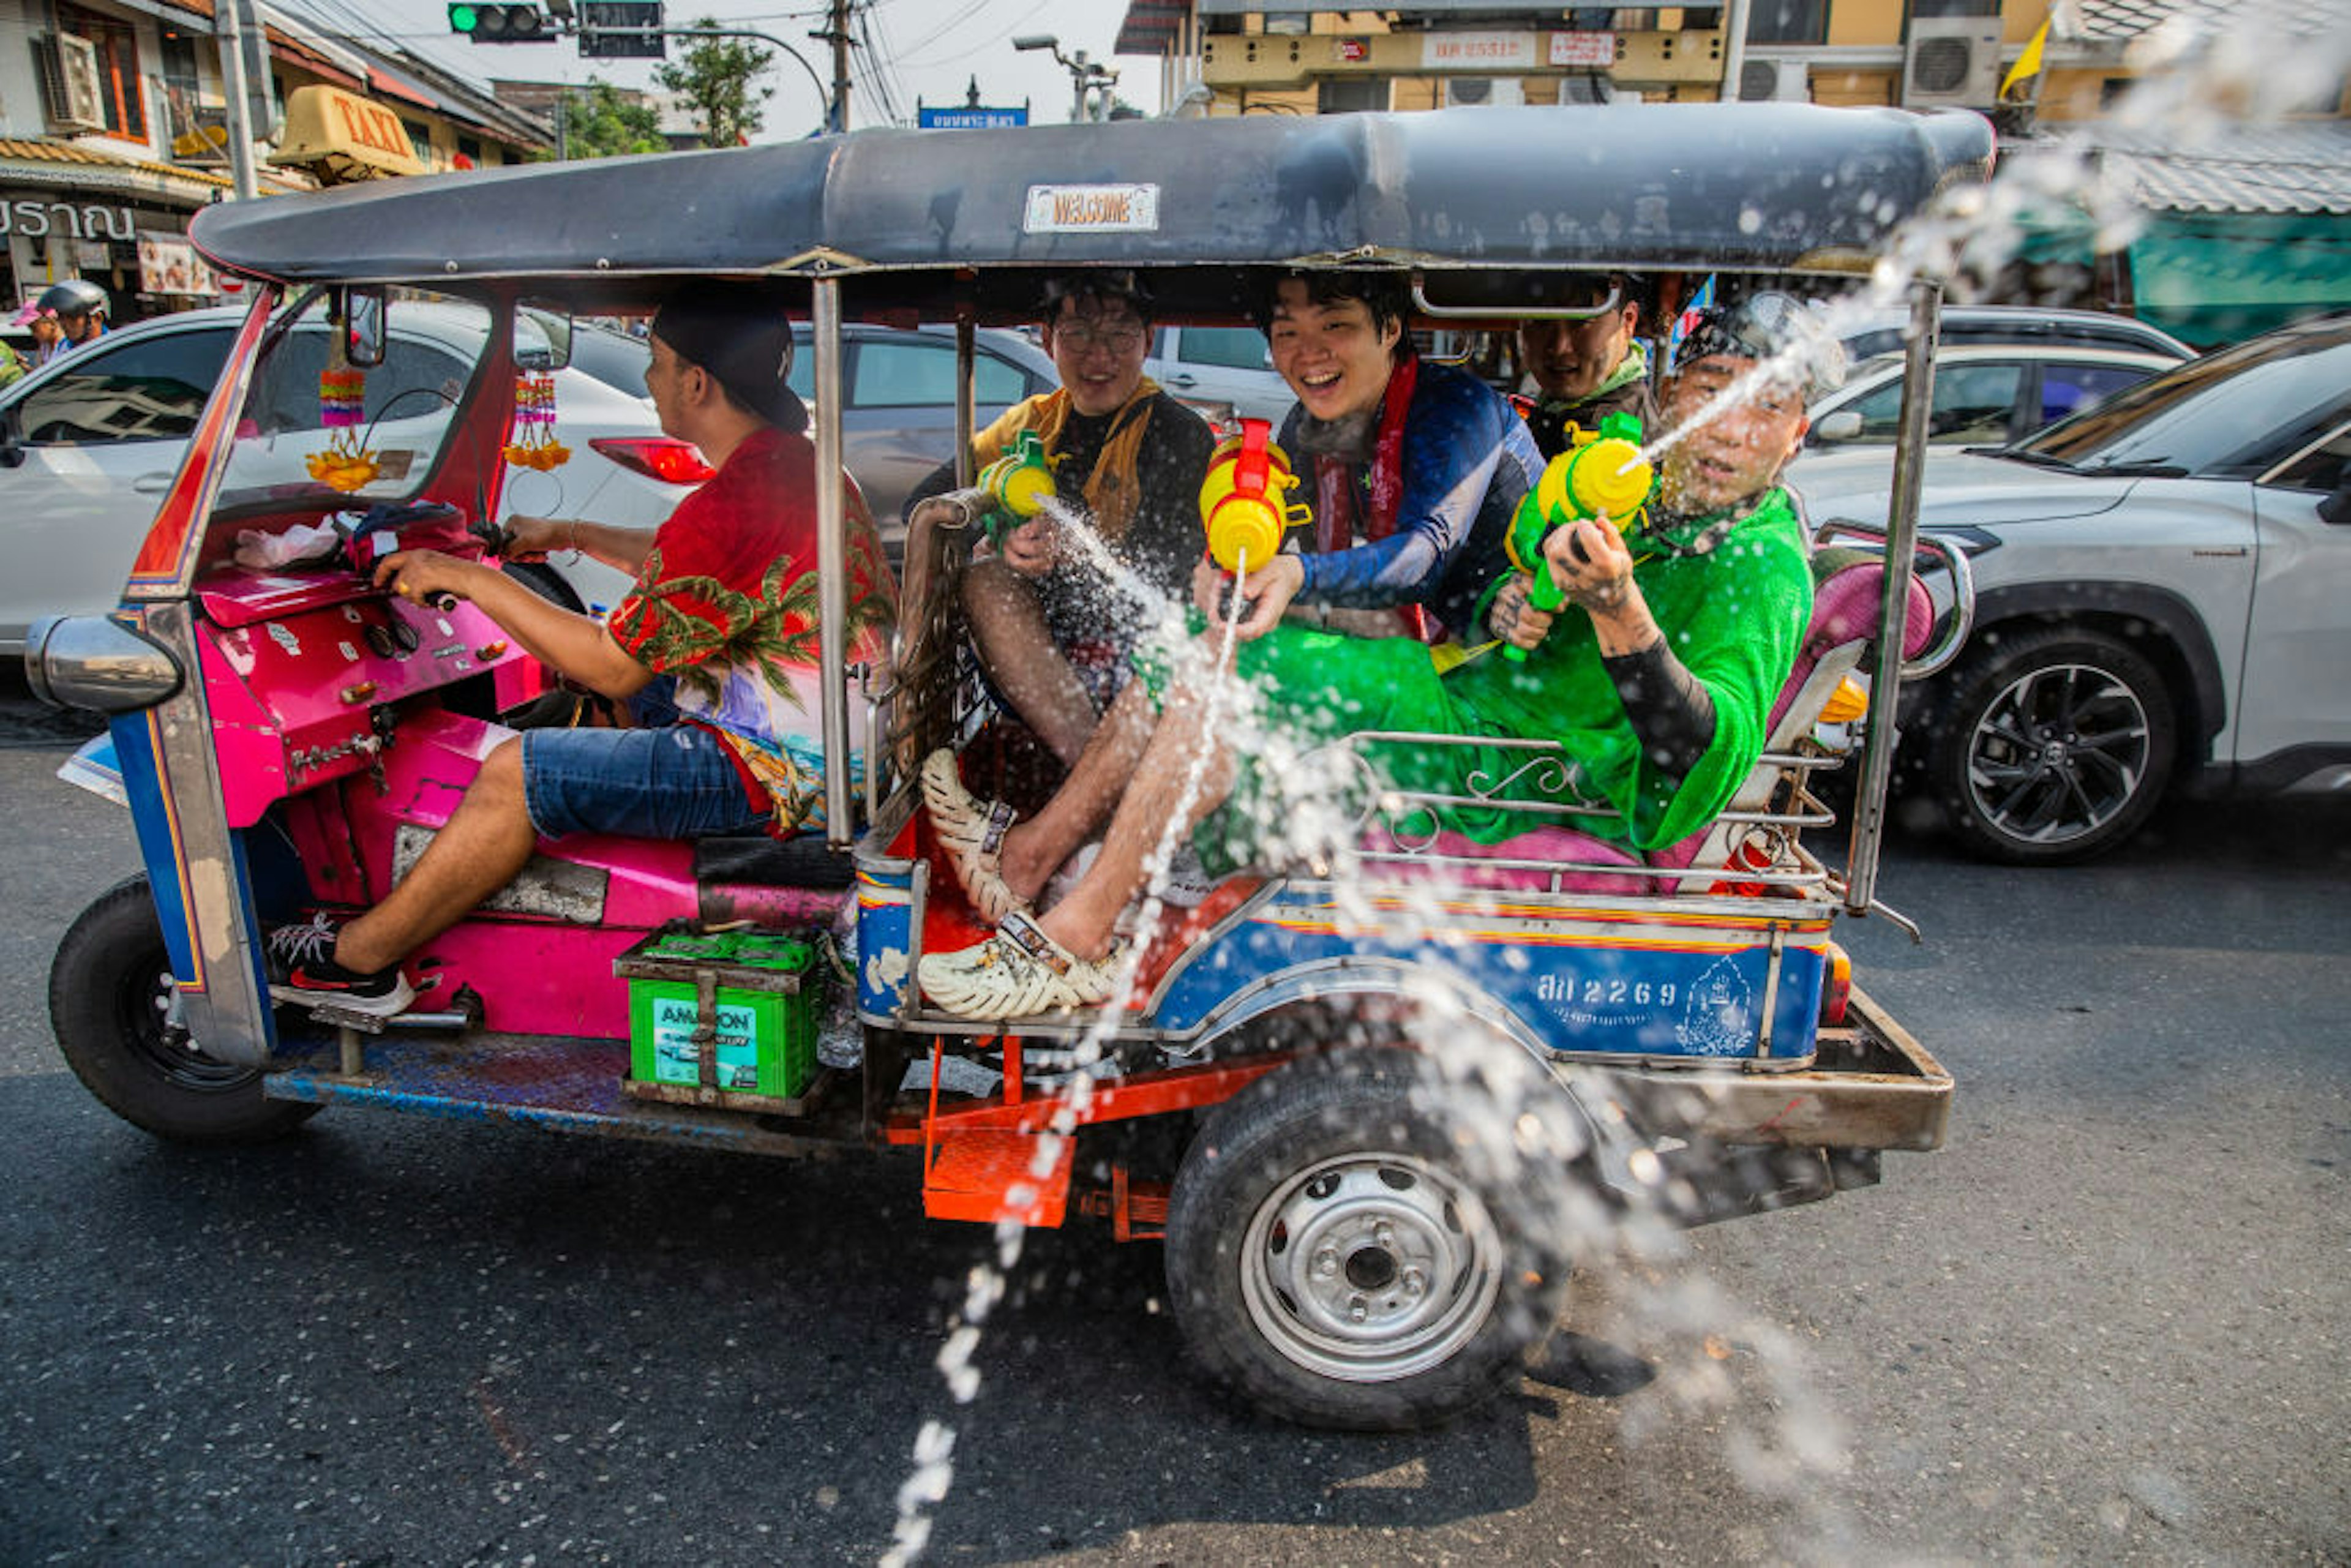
747 344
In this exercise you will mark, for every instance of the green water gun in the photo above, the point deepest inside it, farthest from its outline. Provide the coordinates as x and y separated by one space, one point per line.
1601 473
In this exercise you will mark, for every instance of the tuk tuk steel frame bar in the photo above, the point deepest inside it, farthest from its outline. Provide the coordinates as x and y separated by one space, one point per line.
832 572
1901 537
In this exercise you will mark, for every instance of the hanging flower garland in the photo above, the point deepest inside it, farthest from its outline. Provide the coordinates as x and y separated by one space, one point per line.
534 445
344 465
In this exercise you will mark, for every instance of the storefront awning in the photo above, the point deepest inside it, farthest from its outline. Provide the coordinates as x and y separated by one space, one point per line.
62 165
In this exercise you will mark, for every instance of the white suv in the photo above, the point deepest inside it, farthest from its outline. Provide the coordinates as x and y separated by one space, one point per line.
2163 590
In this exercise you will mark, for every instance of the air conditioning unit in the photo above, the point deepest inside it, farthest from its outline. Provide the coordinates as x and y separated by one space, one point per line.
1483 92
68 67
1770 81
1951 62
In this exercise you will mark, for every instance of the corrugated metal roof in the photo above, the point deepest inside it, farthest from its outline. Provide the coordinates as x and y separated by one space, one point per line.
37 151
2295 167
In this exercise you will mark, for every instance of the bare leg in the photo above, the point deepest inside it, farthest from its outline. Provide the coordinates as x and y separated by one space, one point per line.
1082 922
1007 627
488 839
1034 850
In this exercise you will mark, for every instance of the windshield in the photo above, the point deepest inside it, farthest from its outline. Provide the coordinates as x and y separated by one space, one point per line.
369 433
2229 414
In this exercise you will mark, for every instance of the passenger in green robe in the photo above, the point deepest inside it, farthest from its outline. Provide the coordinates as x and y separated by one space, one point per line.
1656 680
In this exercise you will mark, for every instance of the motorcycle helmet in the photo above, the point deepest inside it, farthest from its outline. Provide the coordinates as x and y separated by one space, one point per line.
74 297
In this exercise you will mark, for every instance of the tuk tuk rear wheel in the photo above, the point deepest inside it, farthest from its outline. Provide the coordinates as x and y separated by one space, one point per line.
1330 1256
111 987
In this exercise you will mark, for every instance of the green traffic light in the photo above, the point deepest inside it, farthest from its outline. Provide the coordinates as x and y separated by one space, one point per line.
464 19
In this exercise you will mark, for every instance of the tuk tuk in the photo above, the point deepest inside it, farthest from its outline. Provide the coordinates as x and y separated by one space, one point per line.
1376 1113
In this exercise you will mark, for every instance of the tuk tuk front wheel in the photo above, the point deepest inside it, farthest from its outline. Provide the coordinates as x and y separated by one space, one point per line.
110 991
1330 1257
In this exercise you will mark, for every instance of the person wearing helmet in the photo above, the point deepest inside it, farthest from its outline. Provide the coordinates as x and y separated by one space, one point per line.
80 309
1578 369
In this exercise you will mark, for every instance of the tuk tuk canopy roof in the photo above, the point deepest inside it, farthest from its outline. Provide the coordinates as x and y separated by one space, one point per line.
1735 187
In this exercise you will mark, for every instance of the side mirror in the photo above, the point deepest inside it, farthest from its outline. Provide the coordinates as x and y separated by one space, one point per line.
12 445
359 313
1843 426
542 337
2336 510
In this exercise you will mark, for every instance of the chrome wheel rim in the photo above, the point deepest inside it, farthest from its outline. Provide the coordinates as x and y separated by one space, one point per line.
1371 1268
2060 753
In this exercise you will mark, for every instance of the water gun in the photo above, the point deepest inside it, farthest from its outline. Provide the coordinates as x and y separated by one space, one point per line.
1601 474
1014 488
1242 501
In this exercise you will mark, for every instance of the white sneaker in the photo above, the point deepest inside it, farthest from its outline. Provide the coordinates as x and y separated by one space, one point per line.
1186 884
973 835
1015 972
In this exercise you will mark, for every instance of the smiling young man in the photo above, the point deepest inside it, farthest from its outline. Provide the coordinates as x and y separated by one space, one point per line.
1416 468
1052 630
1579 370
1657 685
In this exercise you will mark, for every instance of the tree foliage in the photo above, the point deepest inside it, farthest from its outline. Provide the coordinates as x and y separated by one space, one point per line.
715 81
603 122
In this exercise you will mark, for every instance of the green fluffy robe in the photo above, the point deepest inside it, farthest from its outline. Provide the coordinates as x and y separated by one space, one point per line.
1735 617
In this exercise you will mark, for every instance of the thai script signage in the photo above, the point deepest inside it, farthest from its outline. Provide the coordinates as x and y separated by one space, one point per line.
970 117
1584 49
37 218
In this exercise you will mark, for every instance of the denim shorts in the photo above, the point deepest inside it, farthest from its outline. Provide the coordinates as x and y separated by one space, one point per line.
678 782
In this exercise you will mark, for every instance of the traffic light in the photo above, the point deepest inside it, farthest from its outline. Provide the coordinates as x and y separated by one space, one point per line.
621 29
500 24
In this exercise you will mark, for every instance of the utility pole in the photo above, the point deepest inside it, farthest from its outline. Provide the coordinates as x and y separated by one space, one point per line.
228 27
836 33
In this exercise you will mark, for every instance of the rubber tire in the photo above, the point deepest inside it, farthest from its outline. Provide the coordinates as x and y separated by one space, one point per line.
1978 684
103 992
1323 1108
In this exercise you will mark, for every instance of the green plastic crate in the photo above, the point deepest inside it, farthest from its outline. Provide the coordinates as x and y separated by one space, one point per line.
762 992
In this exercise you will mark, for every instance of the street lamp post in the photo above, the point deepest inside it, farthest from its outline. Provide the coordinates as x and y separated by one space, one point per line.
1090 79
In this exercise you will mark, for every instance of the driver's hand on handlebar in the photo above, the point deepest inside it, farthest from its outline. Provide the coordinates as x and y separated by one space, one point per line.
1032 549
529 537
420 576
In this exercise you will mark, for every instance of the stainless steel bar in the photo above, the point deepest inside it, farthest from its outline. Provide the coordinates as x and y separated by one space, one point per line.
1901 535
965 339
831 567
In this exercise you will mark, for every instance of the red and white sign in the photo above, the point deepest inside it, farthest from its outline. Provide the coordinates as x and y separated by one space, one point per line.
1584 49
1477 51
1351 51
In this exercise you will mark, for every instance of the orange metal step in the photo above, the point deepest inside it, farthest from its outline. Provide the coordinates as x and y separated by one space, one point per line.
992 1176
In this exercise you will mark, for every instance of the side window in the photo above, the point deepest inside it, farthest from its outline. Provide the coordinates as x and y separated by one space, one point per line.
802 378
2070 389
2325 468
416 379
995 383
1972 404
149 390
904 374
1230 347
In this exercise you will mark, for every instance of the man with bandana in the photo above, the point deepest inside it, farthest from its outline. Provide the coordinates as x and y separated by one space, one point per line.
1657 685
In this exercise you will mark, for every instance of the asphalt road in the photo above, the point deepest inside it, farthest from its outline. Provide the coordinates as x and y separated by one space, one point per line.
2106 1323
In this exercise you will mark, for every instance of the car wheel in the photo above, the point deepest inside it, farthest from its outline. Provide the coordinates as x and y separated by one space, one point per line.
2054 746
1332 1255
110 991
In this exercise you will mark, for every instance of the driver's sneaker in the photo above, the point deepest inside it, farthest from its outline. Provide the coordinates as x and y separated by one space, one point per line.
302 970
972 833
1015 972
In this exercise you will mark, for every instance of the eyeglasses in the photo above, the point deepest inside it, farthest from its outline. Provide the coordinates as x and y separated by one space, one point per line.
1117 340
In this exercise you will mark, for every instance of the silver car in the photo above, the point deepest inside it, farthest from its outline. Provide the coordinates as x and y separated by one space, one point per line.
90 443
2163 594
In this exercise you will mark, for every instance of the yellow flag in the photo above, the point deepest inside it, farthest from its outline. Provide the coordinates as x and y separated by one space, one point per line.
2027 64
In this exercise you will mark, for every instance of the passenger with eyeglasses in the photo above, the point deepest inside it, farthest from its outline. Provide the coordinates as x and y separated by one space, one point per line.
1053 630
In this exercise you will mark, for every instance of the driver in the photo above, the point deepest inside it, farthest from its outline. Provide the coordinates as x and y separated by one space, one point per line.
721 608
